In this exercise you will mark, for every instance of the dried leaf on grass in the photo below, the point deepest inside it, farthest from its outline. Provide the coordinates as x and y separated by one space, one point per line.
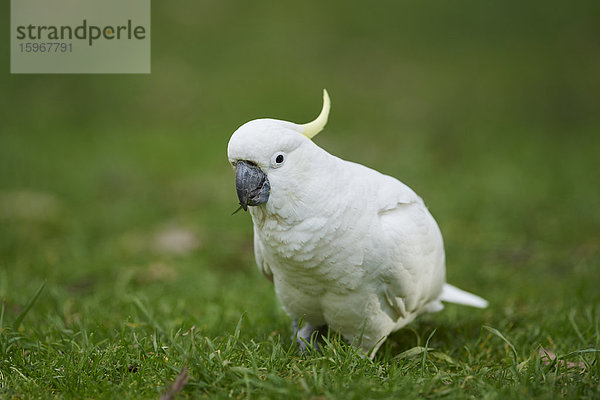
157 271
170 239
177 386
176 240
548 357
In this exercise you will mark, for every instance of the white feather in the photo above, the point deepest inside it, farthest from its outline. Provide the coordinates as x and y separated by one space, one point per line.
452 294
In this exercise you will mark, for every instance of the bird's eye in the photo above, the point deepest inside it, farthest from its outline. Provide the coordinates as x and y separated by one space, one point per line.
278 159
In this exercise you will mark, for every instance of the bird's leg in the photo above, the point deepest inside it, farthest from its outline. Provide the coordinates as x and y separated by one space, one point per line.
307 337
294 329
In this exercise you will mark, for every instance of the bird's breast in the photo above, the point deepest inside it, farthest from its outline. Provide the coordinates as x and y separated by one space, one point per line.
318 253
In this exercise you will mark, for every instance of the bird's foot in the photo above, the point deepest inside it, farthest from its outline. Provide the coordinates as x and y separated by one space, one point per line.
308 336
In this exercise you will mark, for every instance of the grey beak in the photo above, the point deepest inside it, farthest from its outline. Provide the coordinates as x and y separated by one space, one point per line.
251 184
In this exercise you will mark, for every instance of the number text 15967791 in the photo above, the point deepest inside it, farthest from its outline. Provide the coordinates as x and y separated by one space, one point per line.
46 47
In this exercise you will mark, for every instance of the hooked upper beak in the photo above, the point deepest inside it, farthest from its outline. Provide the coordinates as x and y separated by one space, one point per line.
251 184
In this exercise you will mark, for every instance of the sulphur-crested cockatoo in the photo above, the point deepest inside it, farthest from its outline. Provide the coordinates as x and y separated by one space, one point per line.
345 246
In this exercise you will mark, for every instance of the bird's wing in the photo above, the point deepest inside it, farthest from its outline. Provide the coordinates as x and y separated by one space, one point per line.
412 249
260 259
392 193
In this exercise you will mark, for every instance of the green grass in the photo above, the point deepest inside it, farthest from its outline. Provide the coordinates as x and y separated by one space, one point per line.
116 193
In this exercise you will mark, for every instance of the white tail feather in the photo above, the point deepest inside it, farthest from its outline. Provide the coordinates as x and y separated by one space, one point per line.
452 294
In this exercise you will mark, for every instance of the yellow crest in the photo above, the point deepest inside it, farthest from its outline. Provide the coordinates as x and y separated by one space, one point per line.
311 129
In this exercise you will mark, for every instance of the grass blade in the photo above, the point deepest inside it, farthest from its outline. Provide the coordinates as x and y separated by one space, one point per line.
496 332
28 306
425 352
412 352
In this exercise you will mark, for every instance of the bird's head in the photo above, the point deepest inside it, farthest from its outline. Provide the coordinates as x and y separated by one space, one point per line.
263 151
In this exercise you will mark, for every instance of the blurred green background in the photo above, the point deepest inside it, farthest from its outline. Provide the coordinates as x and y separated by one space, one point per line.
119 185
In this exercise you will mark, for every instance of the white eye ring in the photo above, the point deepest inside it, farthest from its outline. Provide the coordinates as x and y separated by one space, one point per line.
278 159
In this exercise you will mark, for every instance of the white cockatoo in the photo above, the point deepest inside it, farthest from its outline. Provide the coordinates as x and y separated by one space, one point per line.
345 246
